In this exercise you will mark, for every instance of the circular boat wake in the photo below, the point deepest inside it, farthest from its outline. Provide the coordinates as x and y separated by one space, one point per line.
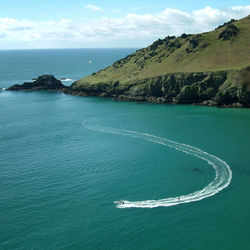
223 173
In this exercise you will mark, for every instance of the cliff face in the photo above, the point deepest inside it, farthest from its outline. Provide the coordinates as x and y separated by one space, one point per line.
210 68
220 88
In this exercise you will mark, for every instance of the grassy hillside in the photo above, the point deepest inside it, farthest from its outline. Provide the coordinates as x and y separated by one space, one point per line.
225 50
194 53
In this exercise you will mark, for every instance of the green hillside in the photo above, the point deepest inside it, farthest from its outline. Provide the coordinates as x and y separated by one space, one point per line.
189 59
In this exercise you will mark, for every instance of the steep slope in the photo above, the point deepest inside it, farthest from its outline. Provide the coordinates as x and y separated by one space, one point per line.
212 68
227 47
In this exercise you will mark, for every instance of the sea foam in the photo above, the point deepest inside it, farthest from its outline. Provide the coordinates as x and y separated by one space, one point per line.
223 173
66 79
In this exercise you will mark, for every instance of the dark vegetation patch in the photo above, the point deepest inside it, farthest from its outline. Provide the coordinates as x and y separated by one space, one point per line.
225 24
229 32
123 61
166 40
154 45
194 42
175 44
184 35
204 45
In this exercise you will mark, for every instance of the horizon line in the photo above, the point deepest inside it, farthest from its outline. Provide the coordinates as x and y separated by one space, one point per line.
75 48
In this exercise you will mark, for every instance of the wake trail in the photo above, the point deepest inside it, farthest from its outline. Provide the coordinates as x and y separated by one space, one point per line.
223 173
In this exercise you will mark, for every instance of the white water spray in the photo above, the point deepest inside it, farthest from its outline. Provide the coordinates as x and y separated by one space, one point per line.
222 170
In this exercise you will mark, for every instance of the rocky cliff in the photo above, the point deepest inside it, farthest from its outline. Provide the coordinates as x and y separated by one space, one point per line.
221 88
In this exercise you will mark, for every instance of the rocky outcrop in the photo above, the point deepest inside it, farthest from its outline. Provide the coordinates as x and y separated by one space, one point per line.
229 32
46 82
226 23
206 88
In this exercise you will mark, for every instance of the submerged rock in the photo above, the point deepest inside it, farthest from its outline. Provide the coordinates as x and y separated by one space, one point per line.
196 170
46 82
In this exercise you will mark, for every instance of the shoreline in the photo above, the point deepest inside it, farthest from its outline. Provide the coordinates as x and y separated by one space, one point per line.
157 90
123 98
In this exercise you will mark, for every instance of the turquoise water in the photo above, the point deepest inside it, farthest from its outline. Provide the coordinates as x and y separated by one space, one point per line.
59 178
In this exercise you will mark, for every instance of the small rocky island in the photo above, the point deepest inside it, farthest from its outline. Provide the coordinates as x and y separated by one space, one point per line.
46 82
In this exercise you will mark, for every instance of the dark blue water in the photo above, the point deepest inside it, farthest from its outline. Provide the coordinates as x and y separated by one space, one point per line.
60 174
17 66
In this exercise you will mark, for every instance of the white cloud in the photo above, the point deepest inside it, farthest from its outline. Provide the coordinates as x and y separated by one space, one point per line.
105 32
12 24
115 11
93 7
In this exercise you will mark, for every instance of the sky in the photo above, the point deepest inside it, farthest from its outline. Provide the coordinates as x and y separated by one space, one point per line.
41 24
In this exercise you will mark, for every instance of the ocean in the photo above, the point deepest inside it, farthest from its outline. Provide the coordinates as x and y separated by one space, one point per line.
94 173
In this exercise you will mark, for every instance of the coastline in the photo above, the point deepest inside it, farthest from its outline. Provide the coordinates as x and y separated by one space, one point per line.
151 99
216 89
227 88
